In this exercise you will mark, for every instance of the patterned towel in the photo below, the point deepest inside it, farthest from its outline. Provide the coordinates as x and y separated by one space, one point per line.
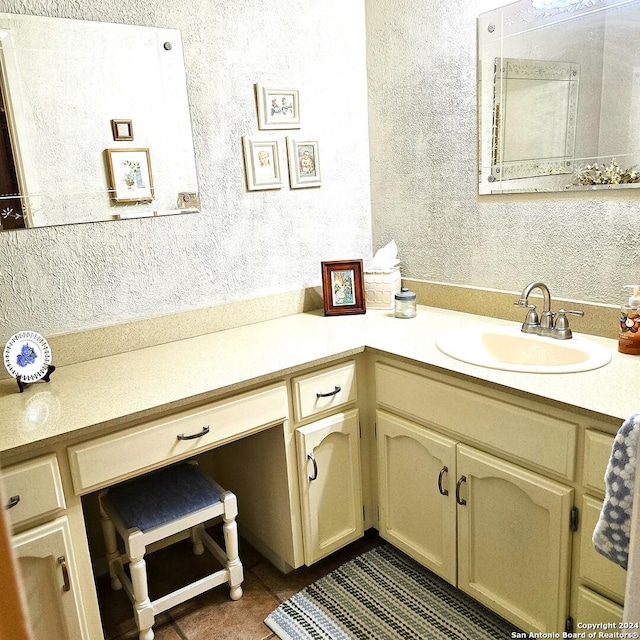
611 535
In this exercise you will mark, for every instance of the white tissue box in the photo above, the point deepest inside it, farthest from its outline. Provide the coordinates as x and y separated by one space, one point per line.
380 288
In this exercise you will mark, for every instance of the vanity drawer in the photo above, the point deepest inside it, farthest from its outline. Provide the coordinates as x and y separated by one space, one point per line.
34 487
323 390
542 440
597 571
103 461
597 451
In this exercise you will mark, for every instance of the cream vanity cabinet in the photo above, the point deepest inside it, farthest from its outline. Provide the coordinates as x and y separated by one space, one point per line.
600 594
497 529
35 503
328 454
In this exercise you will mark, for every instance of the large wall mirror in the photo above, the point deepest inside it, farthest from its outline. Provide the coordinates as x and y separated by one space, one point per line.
559 96
94 123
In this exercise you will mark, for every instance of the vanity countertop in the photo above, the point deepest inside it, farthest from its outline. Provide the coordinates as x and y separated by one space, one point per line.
91 397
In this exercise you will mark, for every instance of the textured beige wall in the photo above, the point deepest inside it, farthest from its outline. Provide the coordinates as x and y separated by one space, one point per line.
421 59
243 245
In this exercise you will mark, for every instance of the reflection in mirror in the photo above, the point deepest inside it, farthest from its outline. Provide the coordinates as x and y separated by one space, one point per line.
94 123
559 96
534 109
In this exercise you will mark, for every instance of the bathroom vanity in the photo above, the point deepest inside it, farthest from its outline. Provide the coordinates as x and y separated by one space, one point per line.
324 427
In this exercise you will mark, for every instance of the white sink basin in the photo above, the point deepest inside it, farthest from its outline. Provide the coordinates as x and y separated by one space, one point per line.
509 349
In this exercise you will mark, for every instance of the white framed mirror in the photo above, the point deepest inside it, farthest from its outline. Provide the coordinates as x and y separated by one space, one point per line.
95 123
559 96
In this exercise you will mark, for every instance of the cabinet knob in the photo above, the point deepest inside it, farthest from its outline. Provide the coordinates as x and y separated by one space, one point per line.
13 501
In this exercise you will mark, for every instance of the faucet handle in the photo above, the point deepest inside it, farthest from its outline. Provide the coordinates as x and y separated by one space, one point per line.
562 322
563 313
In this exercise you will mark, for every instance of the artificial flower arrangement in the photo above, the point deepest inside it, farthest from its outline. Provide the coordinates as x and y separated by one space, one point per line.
594 174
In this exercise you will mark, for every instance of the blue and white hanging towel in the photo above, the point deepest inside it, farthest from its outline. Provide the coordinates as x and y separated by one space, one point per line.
611 535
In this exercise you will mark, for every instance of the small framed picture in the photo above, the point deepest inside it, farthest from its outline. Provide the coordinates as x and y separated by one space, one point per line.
122 129
261 163
130 178
304 163
278 107
343 287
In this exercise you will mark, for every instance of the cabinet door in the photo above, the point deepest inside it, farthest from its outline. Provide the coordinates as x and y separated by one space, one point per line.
416 482
47 566
330 484
514 541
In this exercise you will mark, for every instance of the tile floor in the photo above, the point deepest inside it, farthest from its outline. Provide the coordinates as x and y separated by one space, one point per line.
212 615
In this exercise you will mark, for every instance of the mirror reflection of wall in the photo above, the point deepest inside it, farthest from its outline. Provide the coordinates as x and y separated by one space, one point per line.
64 83
535 107
598 40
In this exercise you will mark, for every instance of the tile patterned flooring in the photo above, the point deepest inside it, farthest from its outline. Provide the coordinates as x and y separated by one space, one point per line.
212 615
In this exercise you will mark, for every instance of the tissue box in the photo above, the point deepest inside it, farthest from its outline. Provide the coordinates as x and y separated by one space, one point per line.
380 288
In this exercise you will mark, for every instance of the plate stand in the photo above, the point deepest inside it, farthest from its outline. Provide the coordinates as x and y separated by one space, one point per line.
46 377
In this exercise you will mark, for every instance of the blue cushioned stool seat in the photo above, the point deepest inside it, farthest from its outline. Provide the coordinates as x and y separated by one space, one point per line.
158 509
162 496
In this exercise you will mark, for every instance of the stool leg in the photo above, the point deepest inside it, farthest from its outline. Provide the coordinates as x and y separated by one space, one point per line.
142 605
196 540
111 544
230 531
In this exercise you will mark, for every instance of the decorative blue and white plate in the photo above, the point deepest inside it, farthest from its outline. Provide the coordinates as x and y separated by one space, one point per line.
27 356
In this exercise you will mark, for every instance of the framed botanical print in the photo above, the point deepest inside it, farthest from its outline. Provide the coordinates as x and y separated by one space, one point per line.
130 178
343 287
278 107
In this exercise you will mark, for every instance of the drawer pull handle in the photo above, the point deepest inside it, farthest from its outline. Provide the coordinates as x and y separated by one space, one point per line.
13 501
336 391
62 561
444 492
315 466
204 432
460 501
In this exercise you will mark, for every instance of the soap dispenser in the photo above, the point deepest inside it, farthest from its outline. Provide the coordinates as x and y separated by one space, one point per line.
629 336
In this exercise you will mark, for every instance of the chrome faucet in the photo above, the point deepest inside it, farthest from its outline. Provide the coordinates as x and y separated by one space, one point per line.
548 325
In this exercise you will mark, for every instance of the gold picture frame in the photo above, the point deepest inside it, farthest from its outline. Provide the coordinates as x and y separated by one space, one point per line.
130 177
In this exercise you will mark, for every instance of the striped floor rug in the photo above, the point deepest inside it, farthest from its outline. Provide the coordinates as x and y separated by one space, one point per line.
384 595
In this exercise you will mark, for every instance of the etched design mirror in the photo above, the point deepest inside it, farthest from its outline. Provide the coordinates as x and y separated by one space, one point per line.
94 123
558 96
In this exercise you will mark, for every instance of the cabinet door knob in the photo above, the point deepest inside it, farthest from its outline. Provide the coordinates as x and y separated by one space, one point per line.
13 501
315 466
62 561
459 500
444 492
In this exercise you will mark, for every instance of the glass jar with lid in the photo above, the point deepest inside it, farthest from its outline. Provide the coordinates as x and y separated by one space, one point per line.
405 304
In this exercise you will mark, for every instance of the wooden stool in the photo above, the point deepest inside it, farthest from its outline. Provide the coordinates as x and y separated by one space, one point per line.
155 506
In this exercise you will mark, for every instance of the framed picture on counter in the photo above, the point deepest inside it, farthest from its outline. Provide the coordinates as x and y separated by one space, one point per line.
343 287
